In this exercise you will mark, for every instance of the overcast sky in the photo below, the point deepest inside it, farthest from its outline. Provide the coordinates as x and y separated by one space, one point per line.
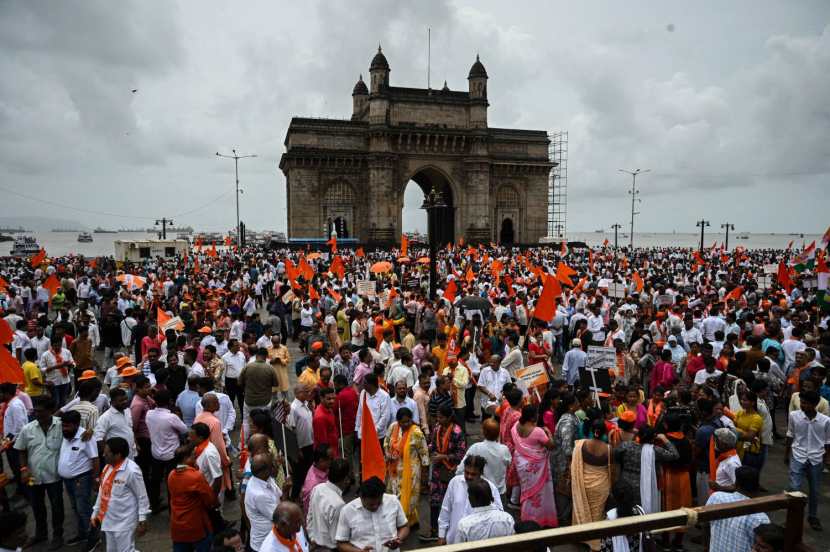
726 102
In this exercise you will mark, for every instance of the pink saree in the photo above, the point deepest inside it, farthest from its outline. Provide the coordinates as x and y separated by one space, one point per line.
532 466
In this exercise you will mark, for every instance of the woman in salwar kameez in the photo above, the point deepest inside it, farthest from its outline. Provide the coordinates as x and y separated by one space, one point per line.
406 455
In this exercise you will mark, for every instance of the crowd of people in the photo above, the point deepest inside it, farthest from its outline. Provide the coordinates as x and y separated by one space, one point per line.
131 389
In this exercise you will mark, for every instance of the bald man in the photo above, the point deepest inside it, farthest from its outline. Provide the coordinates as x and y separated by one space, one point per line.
261 498
210 405
288 533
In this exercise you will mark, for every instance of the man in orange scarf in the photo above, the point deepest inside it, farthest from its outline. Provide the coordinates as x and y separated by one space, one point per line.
287 533
210 404
723 460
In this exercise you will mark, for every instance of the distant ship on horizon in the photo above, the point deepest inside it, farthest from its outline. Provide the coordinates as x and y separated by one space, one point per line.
179 229
99 230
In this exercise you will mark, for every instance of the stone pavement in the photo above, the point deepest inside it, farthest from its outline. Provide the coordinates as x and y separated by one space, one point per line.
774 478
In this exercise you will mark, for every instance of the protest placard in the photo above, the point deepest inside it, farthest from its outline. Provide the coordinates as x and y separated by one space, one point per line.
366 288
595 375
534 375
288 297
771 268
617 290
664 300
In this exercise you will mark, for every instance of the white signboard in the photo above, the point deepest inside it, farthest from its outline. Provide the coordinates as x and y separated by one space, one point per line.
764 282
809 283
288 297
771 268
664 300
367 288
617 290
600 358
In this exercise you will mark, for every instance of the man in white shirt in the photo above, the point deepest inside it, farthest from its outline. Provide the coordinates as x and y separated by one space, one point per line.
78 467
690 334
403 370
456 505
165 430
596 325
326 503
808 447
496 455
122 506
374 521
237 328
491 381
194 367
234 361
261 498
55 364
378 401
117 421
712 323
791 346
485 520
226 413
287 534
513 360
208 459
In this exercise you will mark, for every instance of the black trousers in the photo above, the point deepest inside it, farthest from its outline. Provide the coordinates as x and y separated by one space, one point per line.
158 473
144 459
235 392
37 495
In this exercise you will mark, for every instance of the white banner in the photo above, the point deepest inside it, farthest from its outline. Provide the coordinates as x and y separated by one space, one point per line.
367 288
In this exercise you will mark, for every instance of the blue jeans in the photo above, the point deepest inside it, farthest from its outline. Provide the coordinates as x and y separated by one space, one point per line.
79 490
797 471
203 545
61 394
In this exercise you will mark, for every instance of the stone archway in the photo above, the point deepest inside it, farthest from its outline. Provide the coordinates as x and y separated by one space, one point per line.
443 223
506 234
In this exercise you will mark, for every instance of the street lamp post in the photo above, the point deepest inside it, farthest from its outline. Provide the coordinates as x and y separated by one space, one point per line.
634 193
702 224
236 157
616 226
164 222
433 201
728 227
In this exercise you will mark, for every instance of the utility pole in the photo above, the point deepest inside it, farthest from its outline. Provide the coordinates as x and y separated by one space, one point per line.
702 224
634 193
728 227
164 222
236 157
616 226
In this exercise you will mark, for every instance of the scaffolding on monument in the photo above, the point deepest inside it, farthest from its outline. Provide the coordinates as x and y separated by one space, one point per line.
558 186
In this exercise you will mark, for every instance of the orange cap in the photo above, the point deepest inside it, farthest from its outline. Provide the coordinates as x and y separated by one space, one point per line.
129 371
122 362
87 375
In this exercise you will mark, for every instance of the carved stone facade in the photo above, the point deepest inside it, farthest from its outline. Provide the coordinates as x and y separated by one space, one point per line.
350 175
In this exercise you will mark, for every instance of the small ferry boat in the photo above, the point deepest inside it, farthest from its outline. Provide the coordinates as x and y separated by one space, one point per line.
24 246
85 237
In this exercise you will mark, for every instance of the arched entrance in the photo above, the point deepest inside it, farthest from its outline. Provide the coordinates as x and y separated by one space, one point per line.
341 226
506 235
338 208
443 223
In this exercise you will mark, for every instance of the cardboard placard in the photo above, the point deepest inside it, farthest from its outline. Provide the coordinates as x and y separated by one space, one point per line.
367 288
764 282
604 358
288 297
617 290
771 268
809 283
534 375
664 300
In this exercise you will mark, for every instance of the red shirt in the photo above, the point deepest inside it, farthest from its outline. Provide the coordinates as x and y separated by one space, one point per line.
190 499
324 425
346 405
694 365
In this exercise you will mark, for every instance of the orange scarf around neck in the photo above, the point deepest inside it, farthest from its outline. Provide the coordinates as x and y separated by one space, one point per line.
106 489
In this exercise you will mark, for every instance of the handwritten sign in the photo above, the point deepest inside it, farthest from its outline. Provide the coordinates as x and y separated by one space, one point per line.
771 268
664 300
534 375
596 376
764 282
617 290
601 358
367 288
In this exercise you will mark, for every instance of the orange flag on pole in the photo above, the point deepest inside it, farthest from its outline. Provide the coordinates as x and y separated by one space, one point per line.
470 276
312 293
359 252
52 284
638 282
3 284
212 252
404 245
371 456
734 294
546 305
564 273
10 371
38 258
336 296
333 244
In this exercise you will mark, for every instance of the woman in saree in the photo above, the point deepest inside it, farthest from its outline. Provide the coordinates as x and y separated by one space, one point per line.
531 446
634 404
591 475
676 484
406 456
509 418
567 426
446 449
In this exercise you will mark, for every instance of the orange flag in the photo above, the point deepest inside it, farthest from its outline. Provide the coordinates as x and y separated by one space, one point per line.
784 277
212 252
546 305
10 371
337 268
392 294
563 250
564 273
52 284
198 244
638 281
333 244
605 243
305 269
196 268
470 276
404 246
359 252
734 294
821 263
228 241
3 284
580 285
371 456
450 291
312 293
334 295
508 281
38 258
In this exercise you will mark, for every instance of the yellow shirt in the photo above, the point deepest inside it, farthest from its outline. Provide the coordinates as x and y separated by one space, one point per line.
440 354
32 373
309 377
749 422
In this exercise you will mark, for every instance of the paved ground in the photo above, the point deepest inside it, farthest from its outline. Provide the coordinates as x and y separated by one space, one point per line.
774 479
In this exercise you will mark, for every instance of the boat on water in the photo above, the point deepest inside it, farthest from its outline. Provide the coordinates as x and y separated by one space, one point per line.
599 231
24 246
66 230
742 236
99 230
183 236
4 238
85 237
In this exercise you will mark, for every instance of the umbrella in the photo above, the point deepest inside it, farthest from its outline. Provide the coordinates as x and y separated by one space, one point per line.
423 260
474 302
404 260
131 281
312 256
382 266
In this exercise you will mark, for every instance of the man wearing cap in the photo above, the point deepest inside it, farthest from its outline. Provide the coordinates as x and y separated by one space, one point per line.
573 362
